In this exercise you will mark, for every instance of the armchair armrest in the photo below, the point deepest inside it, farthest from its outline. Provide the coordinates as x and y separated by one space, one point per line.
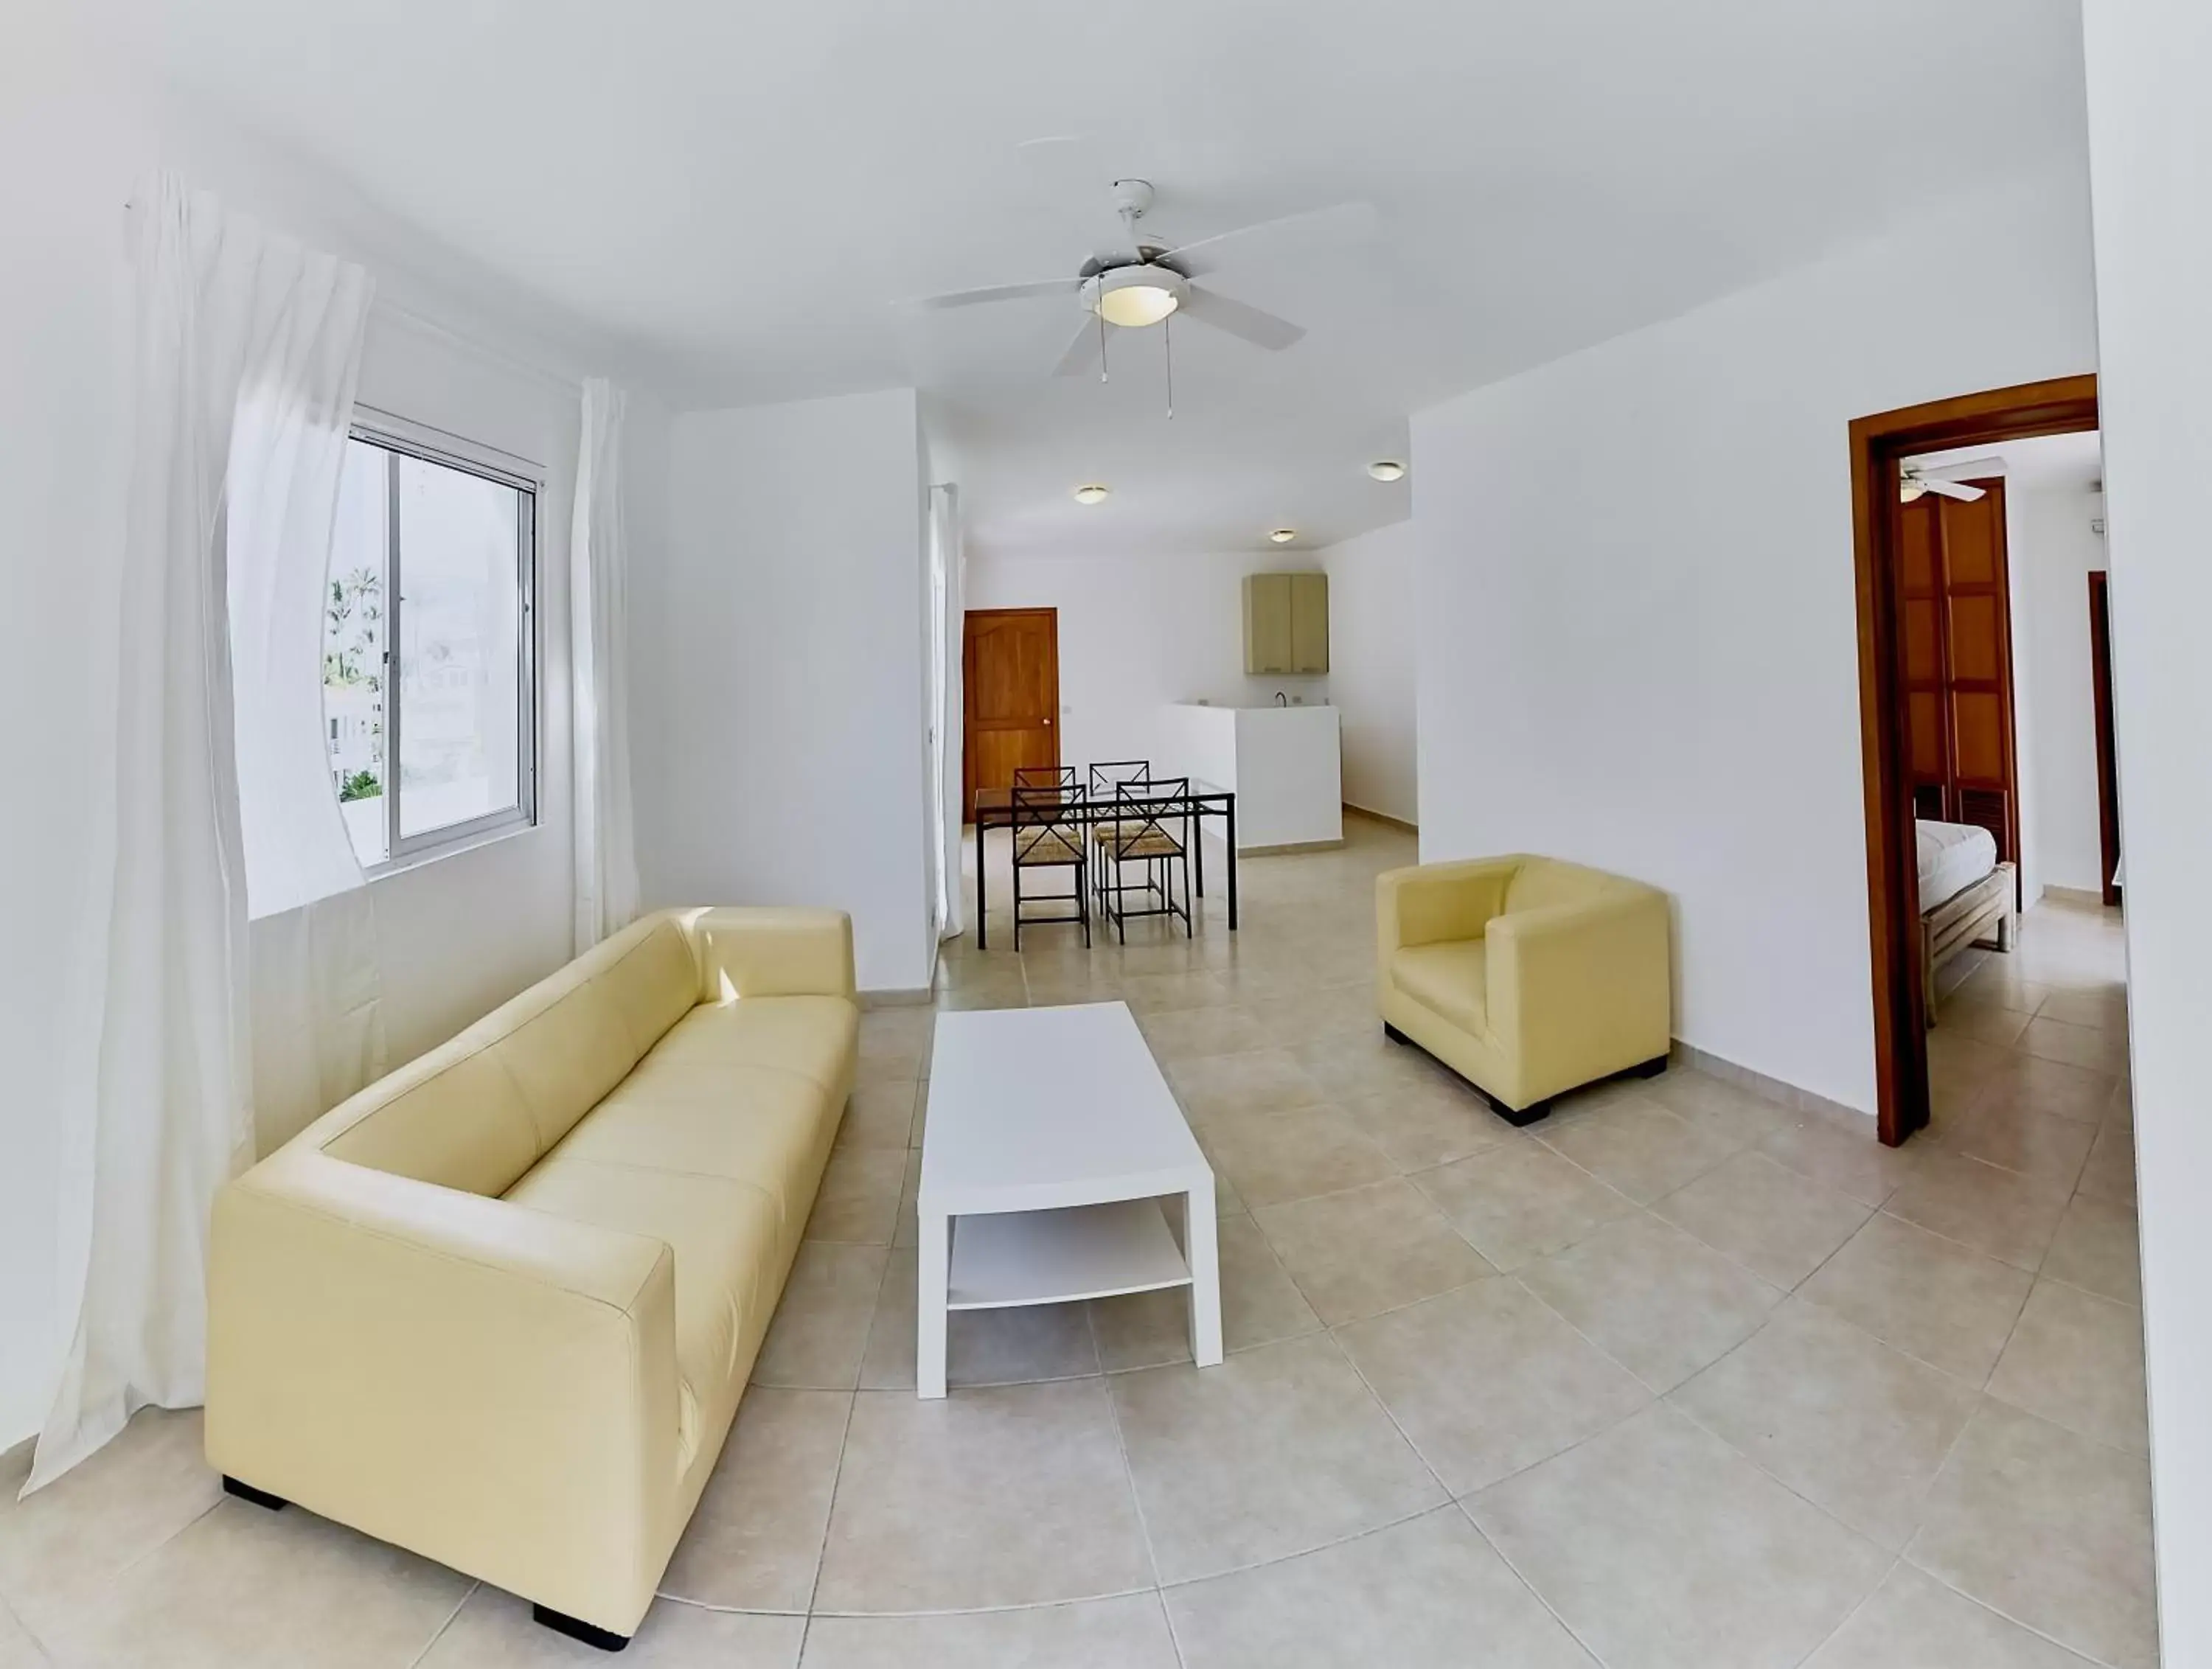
1432 903
1582 988
491 1387
771 952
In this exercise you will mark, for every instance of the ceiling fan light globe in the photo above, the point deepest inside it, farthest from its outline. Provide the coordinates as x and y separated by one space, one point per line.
1136 296
1387 468
1912 492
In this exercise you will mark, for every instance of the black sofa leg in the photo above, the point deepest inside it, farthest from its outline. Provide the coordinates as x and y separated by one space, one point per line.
1520 1117
258 1497
1647 1069
1395 1036
561 1623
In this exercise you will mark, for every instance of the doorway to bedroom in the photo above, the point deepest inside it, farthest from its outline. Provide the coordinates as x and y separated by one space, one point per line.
1993 861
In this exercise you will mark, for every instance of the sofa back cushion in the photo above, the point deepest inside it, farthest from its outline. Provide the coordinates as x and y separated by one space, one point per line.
478 1112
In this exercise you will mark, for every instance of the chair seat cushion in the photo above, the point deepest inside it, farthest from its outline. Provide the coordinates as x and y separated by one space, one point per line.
723 1233
815 1037
1451 978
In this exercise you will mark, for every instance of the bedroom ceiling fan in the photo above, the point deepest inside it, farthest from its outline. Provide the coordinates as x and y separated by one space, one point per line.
1948 480
1142 280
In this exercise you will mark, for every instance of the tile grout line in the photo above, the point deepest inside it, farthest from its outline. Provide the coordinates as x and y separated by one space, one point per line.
431 1645
837 1473
1129 1478
1453 1501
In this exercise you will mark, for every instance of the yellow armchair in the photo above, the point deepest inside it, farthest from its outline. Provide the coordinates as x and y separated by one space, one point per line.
1527 976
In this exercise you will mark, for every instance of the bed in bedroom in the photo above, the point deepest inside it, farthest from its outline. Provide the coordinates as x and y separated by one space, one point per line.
1966 898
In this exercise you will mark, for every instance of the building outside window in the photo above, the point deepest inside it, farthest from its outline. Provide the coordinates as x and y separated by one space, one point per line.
427 647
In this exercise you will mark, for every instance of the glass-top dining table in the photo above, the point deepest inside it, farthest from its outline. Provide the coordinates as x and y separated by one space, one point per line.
1199 801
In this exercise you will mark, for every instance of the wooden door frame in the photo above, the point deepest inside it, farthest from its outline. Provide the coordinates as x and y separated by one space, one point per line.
2108 765
1880 443
968 618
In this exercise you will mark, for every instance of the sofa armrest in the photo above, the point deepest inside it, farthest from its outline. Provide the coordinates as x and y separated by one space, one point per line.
491 1387
770 952
1432 903
1580 989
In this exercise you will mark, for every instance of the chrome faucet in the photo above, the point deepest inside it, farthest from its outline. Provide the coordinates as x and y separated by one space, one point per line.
1281 699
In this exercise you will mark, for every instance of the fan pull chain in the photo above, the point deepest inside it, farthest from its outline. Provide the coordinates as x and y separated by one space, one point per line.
1101 344
1167 341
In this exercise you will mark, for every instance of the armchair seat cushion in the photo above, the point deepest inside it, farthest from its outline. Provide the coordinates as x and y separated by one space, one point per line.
1452 978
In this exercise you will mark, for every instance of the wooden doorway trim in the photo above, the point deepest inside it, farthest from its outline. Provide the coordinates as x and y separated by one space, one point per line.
2067 405
1047 725
2108 763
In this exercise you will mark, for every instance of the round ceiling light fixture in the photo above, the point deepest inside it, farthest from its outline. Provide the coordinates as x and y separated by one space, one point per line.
1283 535
1136 296
1090 493
1387 468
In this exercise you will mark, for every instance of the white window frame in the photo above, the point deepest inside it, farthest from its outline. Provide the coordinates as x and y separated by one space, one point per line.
433 446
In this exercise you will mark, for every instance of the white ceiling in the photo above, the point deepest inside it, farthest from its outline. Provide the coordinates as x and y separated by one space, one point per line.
2050 463
746 190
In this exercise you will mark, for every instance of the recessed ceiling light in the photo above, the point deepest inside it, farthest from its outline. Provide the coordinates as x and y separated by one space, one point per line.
1283 535
1090 493
1387 468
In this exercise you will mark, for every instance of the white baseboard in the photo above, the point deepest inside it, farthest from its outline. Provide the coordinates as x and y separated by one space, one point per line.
1774 1088
896 996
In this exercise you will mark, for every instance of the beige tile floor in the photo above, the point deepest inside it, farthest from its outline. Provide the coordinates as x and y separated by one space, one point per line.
1680 1377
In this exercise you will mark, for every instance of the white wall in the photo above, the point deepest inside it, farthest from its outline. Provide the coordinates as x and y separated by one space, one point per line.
2051 550
1374 651
1638 644
455 936
2150 138
781 673
1139 632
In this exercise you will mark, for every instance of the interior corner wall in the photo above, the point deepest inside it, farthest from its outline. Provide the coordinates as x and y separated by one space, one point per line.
2150 141
1138 633
2051 550
455 936
778 655
1638 638
1373 654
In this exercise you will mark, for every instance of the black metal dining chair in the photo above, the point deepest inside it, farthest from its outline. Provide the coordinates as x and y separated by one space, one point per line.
1047 827
1104 776
1147 816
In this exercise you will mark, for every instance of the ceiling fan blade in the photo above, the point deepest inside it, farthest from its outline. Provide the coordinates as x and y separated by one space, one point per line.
1974 469
1240 318
1952 489
999 293
1082 353
1345 223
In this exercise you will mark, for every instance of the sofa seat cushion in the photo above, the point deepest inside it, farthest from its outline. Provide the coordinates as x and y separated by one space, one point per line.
815 1037
1451 978
767 1128
723 1235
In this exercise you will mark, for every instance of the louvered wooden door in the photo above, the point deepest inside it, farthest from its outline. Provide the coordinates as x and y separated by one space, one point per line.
1956 641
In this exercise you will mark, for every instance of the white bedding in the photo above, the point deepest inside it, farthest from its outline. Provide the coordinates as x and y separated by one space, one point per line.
1953 857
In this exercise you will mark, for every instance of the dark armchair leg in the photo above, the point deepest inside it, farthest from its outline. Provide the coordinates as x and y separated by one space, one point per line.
258 1497
560 1623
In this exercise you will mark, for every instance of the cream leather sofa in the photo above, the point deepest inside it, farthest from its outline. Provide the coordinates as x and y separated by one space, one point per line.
1525 976
499 1308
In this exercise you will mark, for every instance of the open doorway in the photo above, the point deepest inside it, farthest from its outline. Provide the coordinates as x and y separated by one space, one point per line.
1958 765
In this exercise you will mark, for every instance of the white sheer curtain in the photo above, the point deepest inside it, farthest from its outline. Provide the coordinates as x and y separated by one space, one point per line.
946 578
598 629
157 1100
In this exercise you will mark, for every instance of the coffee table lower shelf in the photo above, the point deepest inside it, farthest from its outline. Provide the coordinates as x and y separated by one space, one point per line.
1061 1256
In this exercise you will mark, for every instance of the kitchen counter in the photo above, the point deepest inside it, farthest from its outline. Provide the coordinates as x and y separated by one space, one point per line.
1285 764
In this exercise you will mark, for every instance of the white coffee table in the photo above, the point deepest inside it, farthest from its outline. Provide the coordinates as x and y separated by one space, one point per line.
1051 1144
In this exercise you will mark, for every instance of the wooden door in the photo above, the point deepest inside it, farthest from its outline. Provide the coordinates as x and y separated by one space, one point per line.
2108 767
1009 666
1956 640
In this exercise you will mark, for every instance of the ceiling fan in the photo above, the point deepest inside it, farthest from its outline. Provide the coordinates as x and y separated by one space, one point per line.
1948 481
1142 281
